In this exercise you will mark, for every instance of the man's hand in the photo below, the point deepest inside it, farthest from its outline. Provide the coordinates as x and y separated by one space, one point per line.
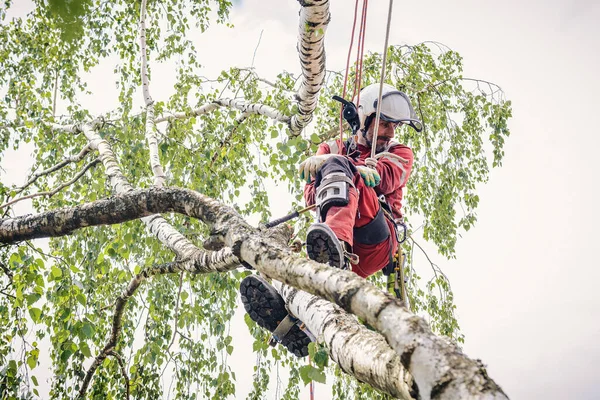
309 167
369 175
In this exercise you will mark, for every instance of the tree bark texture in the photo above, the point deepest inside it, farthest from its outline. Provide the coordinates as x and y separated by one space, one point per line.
358 351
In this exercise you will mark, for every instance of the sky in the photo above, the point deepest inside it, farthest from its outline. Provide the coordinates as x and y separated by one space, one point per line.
525 276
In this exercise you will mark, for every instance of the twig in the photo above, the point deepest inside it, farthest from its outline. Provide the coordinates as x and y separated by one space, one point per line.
57 189
55 93
66 161
176 312
258 44
123 370
226 140
7 294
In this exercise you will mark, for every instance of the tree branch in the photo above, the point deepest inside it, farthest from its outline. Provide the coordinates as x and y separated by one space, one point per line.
150 128
55 190
217 261
314 18
225 141
358 351
123 371
66 161
176 312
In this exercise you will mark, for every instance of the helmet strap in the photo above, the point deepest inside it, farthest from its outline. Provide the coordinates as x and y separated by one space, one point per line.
368 122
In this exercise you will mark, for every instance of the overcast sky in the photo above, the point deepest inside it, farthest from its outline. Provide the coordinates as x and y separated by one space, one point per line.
525 276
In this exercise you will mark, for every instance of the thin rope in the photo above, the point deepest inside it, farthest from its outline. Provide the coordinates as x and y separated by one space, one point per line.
346 77
360 53
377 113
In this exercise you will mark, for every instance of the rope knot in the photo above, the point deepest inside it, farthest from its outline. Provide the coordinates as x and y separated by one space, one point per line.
371 162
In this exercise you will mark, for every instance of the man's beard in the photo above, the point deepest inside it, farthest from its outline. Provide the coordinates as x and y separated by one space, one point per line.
378 147
381 147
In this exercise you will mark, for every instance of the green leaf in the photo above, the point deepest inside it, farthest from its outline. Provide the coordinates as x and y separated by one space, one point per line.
87 329
32 362
56 272
35 314
85 350
32 298
309 373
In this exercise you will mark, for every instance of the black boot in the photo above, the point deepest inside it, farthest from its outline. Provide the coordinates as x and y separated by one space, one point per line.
267 308
323 246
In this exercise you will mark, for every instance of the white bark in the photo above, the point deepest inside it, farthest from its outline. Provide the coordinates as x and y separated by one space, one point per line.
238 104
150 128
314 18
205 109
358 351
253 108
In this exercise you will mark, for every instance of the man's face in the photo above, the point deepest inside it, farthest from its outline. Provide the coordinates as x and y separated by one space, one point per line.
385 133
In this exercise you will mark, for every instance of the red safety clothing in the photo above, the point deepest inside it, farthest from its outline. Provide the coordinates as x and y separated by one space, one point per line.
364 205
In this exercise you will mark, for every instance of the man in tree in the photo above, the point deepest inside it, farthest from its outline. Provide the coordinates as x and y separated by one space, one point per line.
351 191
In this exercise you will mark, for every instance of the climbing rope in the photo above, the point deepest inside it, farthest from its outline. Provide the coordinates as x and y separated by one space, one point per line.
359 63
377 113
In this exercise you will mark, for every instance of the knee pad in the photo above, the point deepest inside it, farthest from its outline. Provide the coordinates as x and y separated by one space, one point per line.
333 190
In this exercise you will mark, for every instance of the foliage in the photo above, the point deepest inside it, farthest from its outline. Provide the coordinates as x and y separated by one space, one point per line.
60 296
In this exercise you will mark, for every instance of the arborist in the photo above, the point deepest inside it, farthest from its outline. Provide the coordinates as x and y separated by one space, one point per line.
358 199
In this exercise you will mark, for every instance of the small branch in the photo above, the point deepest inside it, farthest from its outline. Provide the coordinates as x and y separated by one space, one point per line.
123 371
55 93
66 161
176 312
150 128
225 141
205 109
57 189
252 108
258 44
115 332
7 294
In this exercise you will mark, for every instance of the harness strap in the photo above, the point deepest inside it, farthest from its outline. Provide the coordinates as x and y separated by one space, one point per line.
374 232
282 329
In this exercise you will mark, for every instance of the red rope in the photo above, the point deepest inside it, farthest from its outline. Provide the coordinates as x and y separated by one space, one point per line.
359 59
312 383
359 63
346 77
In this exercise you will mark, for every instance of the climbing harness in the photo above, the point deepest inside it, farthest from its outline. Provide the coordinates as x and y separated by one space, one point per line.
395 269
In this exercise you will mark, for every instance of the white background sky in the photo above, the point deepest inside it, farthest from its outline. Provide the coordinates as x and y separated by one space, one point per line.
525 277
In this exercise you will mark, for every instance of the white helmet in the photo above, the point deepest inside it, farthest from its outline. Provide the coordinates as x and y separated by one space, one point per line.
395 107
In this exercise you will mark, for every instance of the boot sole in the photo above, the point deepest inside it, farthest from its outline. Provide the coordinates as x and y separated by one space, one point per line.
323 246
267 308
